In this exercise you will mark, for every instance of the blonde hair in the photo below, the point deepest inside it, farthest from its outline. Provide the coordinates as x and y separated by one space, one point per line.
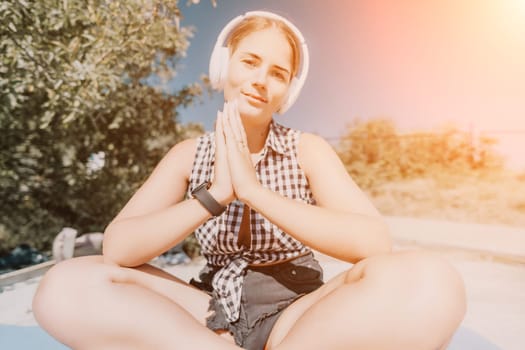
258 23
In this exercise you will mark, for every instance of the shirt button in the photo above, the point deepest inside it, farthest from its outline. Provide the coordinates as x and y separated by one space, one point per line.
294 272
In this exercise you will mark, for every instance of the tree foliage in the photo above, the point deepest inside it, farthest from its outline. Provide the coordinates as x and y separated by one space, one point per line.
374 152
73 85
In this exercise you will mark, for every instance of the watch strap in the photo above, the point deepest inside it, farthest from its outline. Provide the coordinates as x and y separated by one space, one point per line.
206 199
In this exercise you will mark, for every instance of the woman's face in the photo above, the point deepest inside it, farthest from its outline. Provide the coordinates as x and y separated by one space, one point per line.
259 73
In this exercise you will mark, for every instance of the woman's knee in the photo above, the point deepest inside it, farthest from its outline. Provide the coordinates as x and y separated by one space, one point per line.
421 278
65 284
423 292
434 275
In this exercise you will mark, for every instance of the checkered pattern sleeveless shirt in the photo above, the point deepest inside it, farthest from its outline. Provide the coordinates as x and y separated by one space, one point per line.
277 170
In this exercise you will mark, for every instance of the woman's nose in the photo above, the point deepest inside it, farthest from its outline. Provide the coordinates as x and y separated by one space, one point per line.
260 76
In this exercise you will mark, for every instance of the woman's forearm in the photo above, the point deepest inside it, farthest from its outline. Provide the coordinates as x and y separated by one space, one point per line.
346 236
136 240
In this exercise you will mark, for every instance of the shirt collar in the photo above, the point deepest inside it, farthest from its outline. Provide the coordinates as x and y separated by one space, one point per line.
276 139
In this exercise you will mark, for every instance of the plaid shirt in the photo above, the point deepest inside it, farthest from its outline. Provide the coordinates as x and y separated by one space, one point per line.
277 170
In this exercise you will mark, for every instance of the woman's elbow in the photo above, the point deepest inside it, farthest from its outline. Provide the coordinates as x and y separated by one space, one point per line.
384 239
380 244
110 248
115 256
111 257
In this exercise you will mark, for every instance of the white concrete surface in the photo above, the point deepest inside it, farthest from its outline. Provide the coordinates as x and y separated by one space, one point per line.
494 239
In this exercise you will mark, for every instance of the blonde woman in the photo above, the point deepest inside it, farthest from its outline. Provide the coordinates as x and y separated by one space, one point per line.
259 197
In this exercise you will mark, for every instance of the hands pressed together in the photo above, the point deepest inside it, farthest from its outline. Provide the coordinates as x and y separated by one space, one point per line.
235 175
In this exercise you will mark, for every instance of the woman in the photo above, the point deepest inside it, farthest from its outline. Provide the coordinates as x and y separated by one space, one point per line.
260 197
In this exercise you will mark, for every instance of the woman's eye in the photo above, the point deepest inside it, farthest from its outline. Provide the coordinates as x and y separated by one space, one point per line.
250 63
279 75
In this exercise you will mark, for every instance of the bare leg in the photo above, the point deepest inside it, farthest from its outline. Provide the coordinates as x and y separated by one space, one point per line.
407 300
87 304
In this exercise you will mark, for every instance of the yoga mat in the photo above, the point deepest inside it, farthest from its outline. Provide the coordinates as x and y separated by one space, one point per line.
27 338
32 338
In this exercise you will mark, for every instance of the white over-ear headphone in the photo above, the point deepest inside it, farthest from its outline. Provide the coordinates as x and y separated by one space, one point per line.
221 55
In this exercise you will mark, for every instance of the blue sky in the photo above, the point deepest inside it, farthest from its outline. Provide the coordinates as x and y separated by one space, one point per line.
422 64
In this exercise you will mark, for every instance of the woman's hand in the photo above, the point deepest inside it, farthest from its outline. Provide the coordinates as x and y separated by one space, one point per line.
221 188
242 173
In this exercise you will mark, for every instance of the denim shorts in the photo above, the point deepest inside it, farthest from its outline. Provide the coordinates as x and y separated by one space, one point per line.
266 292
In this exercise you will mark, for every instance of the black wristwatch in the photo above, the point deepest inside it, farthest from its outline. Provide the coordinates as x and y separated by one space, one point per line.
206 199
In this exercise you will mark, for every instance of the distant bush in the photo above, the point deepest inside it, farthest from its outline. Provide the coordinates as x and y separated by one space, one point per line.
374 152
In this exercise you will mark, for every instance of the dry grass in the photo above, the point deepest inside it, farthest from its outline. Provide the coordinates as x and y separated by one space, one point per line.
498 199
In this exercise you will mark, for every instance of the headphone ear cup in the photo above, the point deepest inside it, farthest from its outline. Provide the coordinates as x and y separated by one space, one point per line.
293 93
219 67
213 69
225 61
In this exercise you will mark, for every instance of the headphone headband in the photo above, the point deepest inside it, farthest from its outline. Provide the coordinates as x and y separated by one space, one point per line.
220 56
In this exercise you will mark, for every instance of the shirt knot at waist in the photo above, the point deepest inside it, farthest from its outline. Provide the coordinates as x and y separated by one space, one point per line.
227 283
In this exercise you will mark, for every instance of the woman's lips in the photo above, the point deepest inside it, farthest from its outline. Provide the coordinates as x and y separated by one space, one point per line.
256 97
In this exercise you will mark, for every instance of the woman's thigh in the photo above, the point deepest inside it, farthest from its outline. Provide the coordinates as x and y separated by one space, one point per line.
87 272
88 304
293 312
399 273
193 300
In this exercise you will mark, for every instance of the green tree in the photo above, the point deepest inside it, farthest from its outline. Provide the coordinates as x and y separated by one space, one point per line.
73 85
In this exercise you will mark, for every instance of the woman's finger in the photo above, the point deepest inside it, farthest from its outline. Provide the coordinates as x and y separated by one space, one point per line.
237 129
233 121
225 127
219 134
229 137
220 147
237 124
218 122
